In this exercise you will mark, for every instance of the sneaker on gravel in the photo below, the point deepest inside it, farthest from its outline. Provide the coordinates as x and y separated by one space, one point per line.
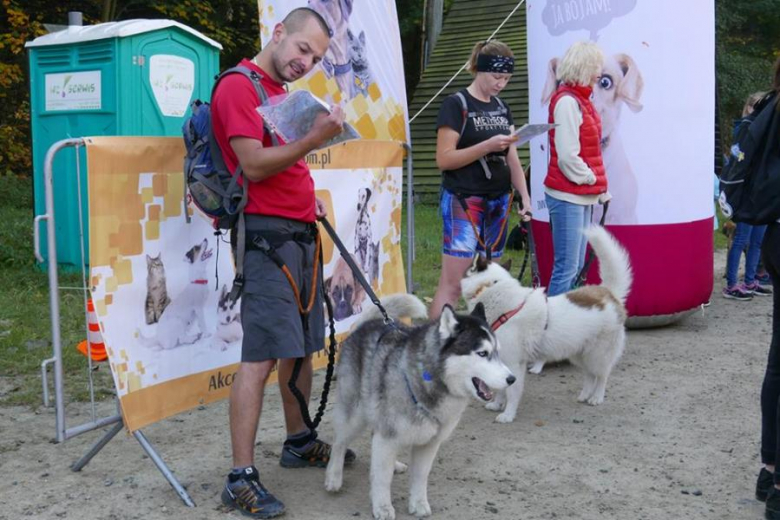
764 279
315 453
244 493
772 511
757 289
737 293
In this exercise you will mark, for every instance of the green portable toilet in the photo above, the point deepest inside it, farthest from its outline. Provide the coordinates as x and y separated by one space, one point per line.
134 78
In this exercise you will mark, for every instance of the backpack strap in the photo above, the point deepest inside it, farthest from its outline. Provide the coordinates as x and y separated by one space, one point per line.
238 176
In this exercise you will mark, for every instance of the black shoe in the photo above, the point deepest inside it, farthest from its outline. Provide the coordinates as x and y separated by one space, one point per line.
772 511
248 496
315 453
764 482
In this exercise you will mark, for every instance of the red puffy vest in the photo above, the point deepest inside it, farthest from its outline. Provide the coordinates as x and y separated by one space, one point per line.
590 145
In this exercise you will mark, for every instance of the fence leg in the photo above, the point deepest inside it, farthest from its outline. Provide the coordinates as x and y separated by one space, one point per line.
83 461
163 468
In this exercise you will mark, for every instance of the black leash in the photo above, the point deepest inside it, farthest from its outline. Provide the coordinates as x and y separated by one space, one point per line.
294 390
580 280
530 252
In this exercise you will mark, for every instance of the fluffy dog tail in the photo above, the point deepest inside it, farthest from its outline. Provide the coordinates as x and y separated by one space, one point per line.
614 266
401 305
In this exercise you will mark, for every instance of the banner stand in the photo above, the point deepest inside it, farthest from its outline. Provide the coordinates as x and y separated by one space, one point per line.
62 433
411 254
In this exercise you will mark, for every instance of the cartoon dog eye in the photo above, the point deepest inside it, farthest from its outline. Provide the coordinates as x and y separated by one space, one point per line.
605 82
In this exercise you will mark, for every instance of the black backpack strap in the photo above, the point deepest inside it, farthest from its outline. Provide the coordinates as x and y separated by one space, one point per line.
465 110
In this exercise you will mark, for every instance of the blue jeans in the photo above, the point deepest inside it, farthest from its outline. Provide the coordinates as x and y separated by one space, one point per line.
744 236
567 222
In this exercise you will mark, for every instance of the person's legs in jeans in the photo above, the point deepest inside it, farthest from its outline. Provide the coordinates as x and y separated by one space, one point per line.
566 221
770 390
586 218
741 238
753 253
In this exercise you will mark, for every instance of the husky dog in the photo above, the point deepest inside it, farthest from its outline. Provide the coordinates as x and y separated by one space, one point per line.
363 231
585 326
359 59
187 307
156 293
228 319
336 61
410 385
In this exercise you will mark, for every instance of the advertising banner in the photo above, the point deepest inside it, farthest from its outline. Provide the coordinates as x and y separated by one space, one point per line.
159 283
656 99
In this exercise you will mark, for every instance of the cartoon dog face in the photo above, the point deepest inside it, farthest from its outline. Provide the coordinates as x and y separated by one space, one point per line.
620 82
344 291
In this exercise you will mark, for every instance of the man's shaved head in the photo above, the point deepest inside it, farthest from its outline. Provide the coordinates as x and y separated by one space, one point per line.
297 19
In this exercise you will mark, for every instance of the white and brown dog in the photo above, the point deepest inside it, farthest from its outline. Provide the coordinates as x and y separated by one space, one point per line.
620 84
585 326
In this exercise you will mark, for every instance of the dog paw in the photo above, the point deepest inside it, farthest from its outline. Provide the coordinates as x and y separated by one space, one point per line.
595 400
333 483
505 417
419 508
400 467
495 406
536 368
384 512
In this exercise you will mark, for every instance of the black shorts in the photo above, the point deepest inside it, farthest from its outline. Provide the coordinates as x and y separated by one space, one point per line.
272 324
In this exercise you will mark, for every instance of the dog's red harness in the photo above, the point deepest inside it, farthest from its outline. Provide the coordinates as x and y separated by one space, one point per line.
505 317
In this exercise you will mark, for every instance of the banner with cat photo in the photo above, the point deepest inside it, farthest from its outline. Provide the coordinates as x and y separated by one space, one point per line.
363 68
159 282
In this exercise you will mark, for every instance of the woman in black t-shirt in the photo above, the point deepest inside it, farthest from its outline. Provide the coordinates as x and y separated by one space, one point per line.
476 153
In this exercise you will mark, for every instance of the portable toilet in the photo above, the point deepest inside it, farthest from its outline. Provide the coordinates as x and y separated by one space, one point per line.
134 78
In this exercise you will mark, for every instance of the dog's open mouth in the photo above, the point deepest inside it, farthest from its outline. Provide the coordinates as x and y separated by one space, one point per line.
483 391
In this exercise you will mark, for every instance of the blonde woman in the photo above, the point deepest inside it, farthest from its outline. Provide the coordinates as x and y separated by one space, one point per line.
576 178
476 153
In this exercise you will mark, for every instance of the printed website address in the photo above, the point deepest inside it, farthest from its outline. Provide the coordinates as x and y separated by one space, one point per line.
318 158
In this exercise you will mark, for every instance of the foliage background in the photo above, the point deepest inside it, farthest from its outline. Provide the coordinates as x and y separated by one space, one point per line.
748 42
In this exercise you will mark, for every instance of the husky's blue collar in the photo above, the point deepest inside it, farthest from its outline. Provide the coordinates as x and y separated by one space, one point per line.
426 377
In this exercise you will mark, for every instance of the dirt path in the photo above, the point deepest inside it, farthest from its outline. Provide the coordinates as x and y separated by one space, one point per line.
676 438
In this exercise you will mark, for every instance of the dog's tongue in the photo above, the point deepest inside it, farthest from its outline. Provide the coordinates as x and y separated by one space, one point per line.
483 390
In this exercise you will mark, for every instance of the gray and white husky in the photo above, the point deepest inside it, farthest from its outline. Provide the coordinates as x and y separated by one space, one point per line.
410 385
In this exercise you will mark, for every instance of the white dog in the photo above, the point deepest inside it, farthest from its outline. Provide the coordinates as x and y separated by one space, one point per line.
620 83
585 325
186 308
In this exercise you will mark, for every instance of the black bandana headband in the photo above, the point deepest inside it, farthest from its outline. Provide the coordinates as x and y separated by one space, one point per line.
496 64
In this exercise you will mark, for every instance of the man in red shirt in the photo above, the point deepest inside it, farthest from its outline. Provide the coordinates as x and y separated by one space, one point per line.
281 202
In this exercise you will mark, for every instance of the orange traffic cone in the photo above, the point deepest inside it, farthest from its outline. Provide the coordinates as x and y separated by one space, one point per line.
97 347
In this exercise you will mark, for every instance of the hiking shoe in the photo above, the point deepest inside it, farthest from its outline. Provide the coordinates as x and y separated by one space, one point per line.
737 293
315 453
248 496
763 484
756 289
772 511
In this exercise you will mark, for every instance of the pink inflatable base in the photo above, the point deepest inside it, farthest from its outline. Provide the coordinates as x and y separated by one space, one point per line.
672 264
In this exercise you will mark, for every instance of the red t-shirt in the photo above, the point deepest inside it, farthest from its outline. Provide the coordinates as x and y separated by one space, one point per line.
288 194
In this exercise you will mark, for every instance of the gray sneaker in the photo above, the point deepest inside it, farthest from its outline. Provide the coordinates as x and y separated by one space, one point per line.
248 496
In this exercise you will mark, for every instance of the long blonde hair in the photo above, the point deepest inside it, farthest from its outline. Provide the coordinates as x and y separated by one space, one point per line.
491 48
752 99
